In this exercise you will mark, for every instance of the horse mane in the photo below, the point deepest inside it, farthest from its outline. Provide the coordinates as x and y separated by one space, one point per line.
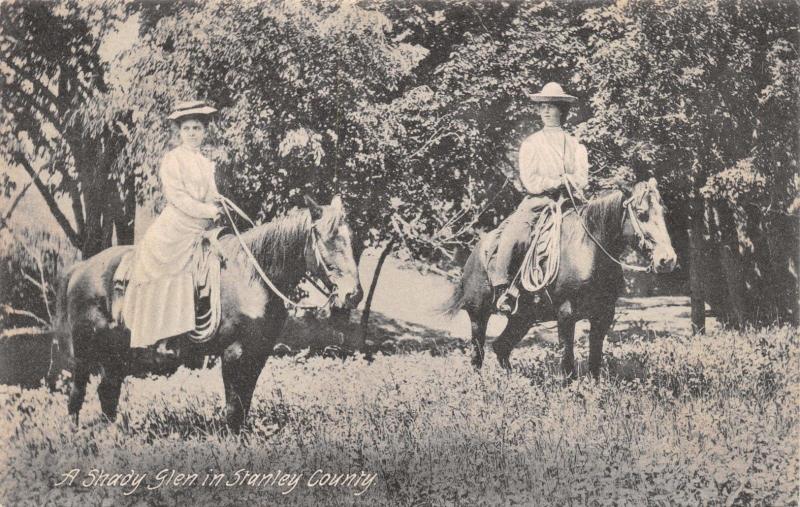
603 215
275 244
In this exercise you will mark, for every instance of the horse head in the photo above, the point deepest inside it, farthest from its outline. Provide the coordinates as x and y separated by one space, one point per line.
329 252
644 222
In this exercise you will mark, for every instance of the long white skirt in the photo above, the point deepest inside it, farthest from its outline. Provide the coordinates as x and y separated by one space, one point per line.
159 299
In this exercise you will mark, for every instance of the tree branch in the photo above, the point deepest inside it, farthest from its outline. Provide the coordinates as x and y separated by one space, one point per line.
42 284
39 107
435 138
41 88
29 331
62 220
17 199
9 310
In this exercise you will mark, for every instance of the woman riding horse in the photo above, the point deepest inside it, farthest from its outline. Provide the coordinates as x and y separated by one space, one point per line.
264 264
159 300
546 159
589 277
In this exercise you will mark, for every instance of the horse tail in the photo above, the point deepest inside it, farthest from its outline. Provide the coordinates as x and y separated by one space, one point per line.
455 302
61 349
459 297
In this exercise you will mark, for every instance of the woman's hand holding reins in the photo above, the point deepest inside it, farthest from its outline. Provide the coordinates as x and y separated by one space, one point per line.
570 186
217 200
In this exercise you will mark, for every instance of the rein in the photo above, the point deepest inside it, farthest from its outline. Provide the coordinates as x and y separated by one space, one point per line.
227 205
637 227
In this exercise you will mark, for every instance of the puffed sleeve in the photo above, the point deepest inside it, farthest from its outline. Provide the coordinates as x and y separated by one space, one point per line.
580 175
532 179
176 194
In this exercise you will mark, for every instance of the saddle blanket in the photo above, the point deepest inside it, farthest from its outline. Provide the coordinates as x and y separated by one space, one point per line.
186 303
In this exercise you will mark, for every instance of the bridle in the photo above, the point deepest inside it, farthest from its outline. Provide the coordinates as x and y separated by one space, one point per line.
637 228
644 241
317 246
228 205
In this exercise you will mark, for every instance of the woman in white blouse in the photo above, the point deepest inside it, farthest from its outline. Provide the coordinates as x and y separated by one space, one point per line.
547 159
159 301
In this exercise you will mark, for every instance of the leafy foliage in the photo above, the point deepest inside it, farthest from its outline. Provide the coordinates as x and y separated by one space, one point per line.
414 112
29 268
56 122
688 92
301 89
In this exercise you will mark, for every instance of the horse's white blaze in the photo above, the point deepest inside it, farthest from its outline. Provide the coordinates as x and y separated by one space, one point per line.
664 257
348 283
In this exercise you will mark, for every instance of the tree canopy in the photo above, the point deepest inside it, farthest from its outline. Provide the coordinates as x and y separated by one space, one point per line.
413 112
56 123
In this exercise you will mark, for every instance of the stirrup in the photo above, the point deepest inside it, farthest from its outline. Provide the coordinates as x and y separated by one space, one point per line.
165 351
508 302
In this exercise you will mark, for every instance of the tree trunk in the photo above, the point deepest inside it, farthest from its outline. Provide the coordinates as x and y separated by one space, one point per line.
732 269
783 236
124 221
698 301
368 303
93 230
733 265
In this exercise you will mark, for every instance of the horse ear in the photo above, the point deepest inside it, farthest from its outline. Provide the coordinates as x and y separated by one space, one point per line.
336 204
313 207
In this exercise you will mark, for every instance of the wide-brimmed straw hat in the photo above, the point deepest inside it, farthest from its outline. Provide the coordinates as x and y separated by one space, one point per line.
191 108
552 92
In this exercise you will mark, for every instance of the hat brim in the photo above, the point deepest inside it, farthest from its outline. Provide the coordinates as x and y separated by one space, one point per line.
538 97
196 111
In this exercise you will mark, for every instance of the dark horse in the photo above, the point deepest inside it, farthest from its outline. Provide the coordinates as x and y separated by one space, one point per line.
588 281
315 240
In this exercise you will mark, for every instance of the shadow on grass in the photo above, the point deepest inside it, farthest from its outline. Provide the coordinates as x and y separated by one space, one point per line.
385 335
640 328
614 369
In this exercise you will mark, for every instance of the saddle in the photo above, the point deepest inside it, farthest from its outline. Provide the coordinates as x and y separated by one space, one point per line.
539 267
206 269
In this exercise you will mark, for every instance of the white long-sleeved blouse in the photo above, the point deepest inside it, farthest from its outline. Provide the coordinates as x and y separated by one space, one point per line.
187 180
543 157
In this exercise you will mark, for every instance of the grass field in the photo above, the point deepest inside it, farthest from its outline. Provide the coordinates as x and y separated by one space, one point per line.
674 420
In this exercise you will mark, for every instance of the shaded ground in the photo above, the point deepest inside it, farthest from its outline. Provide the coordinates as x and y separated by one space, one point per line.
703 420
673 420
404 310
404 318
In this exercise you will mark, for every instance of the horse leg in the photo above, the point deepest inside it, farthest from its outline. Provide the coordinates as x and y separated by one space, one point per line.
110 386
243 360
515 330
597 333
240 371
478 321
54 370
566 336
77 391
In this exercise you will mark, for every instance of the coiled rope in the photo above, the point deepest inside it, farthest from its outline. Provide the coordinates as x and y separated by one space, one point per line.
543 258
